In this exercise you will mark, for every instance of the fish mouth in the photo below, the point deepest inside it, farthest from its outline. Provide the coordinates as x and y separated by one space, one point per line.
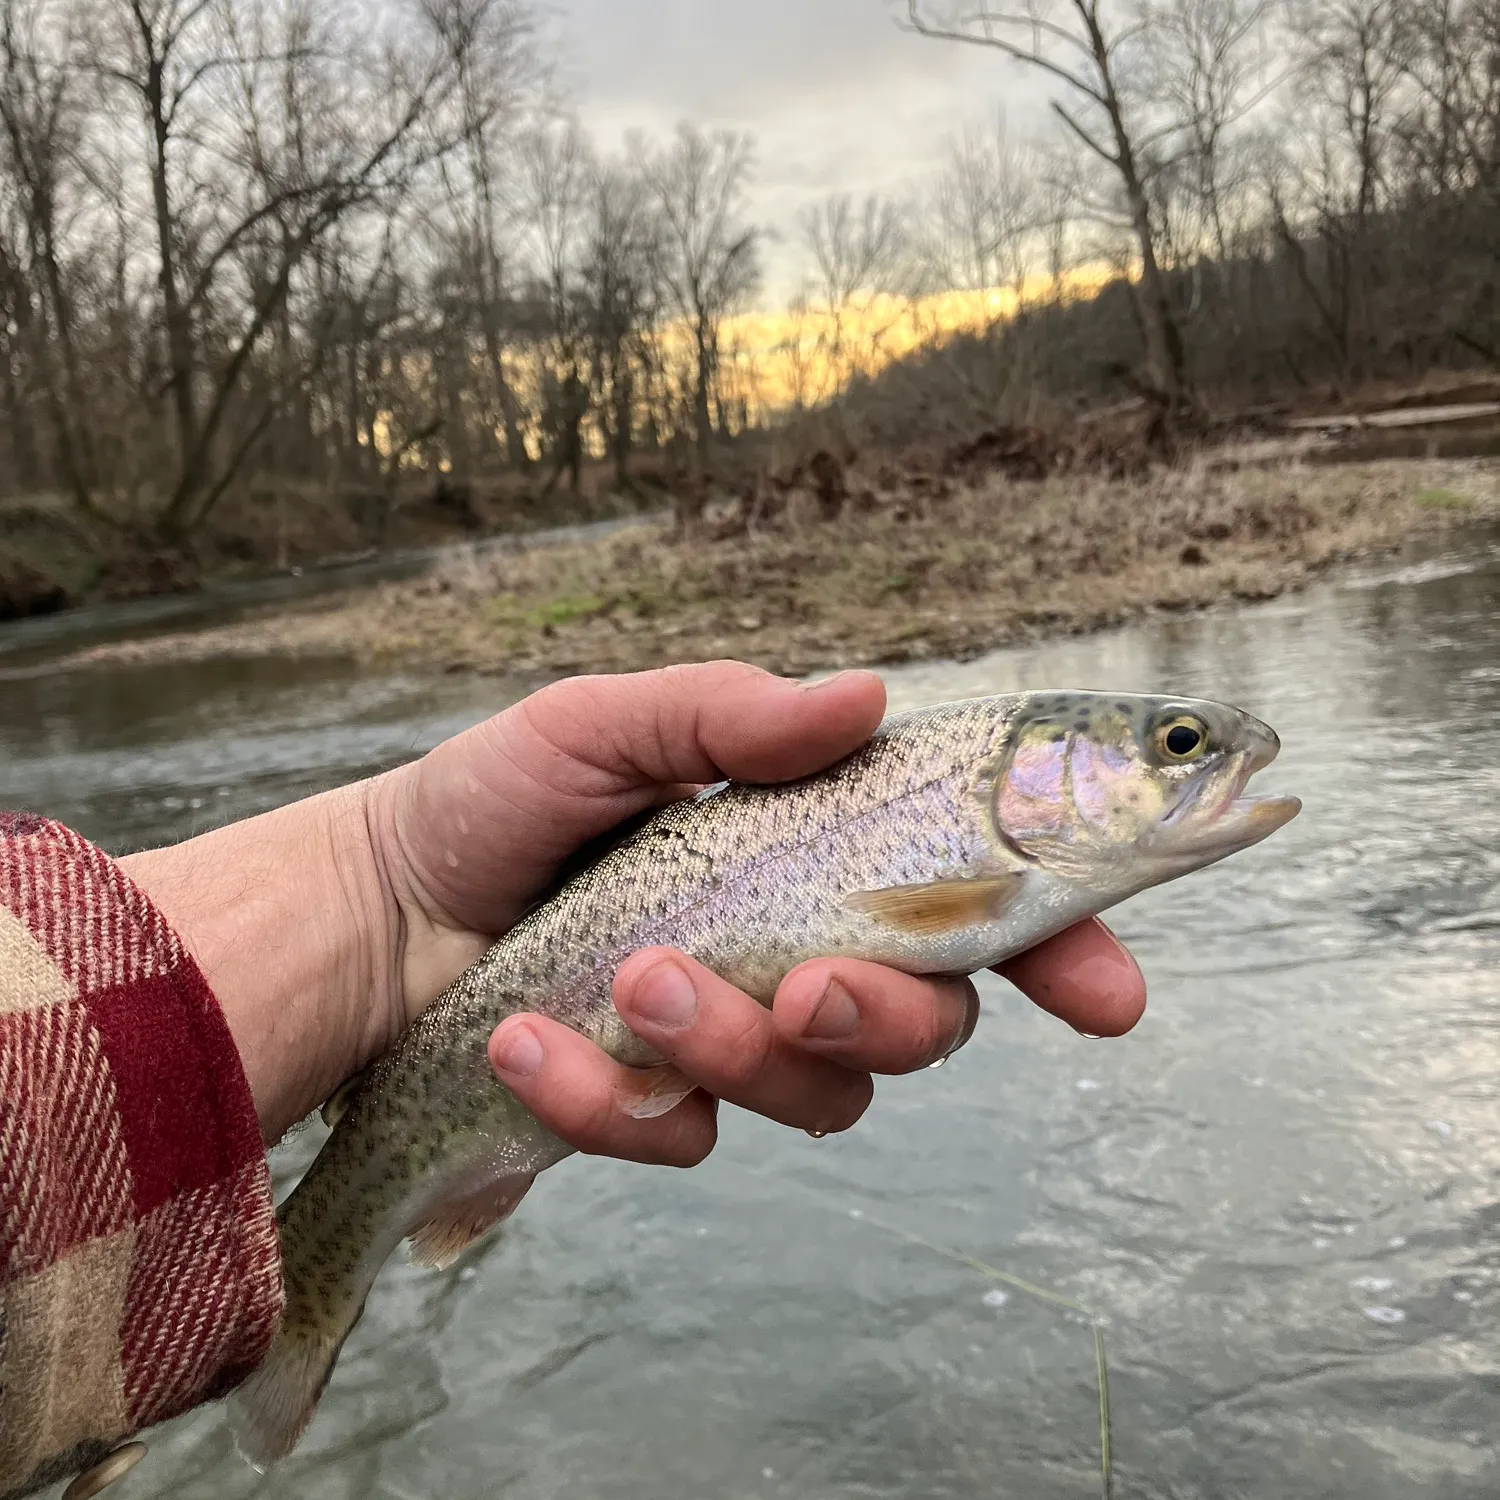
1250 819
1263 814
1219 818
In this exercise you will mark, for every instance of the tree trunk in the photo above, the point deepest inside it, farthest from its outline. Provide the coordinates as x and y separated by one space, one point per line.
176 317
702 416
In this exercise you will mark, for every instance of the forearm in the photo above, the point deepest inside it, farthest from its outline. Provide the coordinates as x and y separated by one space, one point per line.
287 916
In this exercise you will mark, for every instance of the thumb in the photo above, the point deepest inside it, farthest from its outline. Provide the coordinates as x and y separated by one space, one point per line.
481 823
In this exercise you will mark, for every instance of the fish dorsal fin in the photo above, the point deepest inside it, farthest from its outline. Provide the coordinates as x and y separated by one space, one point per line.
457 1222
939 905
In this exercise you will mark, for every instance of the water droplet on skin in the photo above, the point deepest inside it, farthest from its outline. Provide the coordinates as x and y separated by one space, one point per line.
1385 1314
995 1297
817 1135
1091 1036
937 1064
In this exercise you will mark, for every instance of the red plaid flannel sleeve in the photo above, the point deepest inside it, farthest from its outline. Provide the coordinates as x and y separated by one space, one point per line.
139 1266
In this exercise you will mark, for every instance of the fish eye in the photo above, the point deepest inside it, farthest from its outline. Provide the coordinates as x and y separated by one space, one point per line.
1182 738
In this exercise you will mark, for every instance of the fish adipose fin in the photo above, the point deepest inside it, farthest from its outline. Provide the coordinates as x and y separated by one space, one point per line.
457 1222
942 905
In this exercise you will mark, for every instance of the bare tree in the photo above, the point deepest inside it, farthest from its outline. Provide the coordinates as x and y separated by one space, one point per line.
40 119
860 254
983 215
1215 62
710 259
622 301
297 168
557 171
1097 67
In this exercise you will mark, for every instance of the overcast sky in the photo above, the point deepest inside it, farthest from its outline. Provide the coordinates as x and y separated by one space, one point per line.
838 98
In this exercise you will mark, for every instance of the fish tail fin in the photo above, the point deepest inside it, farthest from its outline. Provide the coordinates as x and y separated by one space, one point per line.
271 1410
334 1235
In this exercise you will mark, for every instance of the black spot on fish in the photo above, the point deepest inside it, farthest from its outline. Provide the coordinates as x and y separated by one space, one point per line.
1124 708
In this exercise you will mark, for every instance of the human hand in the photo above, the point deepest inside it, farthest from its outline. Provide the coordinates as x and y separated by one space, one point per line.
327 926
476 829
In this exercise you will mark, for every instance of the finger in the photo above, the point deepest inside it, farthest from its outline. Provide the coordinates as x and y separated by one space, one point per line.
1084 976
728 1044
870 1017
586 1098
702 722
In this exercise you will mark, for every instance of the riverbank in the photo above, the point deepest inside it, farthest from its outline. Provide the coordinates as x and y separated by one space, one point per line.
53 557
916 566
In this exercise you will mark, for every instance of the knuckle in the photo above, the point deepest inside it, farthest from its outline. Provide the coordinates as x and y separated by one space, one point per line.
596 1124
743 1054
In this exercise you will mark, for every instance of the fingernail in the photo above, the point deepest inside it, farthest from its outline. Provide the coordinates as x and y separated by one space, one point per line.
834 1016
664 994
516 1050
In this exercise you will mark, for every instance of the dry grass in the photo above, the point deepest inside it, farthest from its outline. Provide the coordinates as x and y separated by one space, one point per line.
920 566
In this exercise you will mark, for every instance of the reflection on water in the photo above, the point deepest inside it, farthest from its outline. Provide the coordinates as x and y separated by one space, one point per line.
1281 1191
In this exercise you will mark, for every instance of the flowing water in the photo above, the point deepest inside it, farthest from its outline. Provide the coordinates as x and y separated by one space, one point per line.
1280 1196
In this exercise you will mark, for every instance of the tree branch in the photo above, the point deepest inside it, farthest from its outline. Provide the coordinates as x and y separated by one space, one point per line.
1011 49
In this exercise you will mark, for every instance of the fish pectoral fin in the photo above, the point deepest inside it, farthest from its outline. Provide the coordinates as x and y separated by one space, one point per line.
940 905
664 1087
457 1222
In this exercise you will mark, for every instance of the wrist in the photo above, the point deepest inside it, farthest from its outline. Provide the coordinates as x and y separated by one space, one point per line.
290 919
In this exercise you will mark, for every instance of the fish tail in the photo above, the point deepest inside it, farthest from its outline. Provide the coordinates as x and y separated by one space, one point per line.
271 1410
334 1237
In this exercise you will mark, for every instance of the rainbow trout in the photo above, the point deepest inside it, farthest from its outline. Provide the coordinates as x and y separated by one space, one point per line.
958 836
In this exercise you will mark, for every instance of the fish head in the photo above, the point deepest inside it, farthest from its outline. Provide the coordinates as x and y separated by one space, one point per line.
1121 791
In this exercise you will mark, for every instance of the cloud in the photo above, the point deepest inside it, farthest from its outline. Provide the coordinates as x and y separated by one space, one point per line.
838 97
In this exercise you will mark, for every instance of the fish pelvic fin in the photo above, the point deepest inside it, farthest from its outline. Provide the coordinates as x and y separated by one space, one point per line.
458 1221
940 905
272 1408
663 1088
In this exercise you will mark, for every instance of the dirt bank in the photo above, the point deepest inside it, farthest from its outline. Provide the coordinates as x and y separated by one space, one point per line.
910 570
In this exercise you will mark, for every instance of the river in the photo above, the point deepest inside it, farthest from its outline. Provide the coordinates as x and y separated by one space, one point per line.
1279 1198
